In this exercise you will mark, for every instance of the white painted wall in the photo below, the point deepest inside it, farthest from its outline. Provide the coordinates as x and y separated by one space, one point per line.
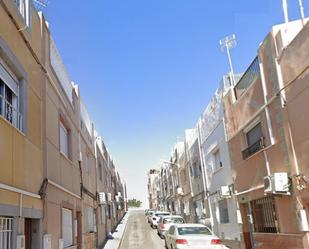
213 139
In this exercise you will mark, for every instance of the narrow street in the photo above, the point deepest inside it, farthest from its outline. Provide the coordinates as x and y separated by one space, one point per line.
139 235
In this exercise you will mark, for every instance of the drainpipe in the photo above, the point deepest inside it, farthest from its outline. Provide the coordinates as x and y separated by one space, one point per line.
190 167
204 171
268 119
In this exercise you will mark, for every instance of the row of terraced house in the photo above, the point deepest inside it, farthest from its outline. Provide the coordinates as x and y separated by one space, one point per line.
59 187
243 169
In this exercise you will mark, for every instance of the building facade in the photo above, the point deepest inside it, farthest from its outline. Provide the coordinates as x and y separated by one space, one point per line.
51 173
21 126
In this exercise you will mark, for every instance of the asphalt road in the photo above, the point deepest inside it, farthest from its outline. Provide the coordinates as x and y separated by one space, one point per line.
139 234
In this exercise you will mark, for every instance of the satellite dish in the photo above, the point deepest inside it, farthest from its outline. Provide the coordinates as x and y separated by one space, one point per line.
40 4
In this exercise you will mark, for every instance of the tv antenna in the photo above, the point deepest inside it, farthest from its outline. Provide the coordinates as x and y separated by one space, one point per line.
228 43
40 4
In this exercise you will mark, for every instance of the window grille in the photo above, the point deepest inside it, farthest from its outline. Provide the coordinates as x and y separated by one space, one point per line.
6 231
9 106
264 215
223 211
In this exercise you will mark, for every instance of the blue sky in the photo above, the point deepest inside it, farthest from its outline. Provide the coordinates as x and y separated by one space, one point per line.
147 68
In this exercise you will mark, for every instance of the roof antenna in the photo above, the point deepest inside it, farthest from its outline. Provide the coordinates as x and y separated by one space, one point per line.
285 11
302 11
228 43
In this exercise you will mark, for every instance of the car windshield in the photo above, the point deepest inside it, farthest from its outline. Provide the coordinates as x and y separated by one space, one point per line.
161 214
193 230
176 220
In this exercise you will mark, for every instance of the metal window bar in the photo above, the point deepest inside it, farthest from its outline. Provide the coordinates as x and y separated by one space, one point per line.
264 215
10 113
21 5
252 149
249 77
6 231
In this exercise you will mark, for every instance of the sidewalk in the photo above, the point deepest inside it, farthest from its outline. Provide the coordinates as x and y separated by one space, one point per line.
118 234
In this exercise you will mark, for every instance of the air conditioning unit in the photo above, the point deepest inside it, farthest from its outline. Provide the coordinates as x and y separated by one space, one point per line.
109 197
102 198
277 183
225 192
119 194
20 243
180 191
47 241
117 198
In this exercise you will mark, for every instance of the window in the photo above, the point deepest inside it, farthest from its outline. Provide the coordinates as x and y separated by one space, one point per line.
217 164
9 104
196 170
254 139
24 9
100 171
67 227
64 139
109 215
264 215
193 231
91 220
223 212
6 232
103 214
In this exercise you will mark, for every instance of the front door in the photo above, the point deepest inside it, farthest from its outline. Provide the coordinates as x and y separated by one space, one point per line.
79 230
28 229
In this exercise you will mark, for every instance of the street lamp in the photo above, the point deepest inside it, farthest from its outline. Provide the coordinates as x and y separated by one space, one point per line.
228 43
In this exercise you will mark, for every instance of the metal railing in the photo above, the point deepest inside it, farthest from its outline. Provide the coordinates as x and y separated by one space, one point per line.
252 149
10 113
21 5
249 77
6 231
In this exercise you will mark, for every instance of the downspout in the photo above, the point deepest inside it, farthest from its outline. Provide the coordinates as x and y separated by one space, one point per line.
204 172
267 113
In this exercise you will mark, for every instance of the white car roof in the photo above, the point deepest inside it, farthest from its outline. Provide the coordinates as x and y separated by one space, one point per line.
190 225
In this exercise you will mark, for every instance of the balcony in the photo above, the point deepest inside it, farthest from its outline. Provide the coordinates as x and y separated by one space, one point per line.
10 113
248 78
254 148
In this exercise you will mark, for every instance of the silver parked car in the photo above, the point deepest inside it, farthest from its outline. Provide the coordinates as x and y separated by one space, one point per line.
165 222
193 236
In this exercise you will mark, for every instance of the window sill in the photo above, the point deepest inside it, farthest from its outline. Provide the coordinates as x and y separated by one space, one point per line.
10 124
66 157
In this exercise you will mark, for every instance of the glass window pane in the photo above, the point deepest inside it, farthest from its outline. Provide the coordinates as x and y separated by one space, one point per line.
64 140
67 227
254 135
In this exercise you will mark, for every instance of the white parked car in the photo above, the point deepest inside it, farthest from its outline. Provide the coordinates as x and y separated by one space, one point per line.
156 217
193 236
166 221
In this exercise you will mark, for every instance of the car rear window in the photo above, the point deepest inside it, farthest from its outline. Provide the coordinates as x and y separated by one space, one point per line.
161 214
193 230
174 220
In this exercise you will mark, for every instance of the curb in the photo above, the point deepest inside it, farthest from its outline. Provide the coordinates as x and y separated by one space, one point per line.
118 236
124 230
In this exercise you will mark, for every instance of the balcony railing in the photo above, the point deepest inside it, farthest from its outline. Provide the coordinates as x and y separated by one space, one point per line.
249 77
10 113
252 149
23 8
